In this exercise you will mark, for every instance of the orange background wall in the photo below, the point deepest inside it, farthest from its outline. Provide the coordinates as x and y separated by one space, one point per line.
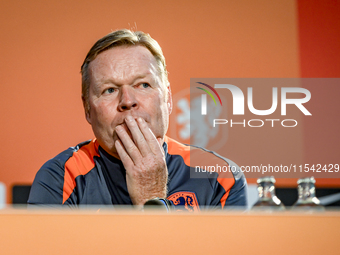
319 51
43 44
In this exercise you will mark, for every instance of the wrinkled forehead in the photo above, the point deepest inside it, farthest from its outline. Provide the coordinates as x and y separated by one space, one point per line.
124 62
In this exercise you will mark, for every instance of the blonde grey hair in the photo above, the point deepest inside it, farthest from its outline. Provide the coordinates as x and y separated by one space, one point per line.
123 37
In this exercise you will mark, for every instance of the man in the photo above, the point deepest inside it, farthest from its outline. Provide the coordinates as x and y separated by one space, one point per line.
127 101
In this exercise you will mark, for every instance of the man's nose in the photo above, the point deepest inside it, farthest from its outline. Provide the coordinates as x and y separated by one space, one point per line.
127 99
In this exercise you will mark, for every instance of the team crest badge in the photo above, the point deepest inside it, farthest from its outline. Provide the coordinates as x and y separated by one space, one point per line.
184 200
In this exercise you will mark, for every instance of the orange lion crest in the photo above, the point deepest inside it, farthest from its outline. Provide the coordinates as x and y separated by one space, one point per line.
185 200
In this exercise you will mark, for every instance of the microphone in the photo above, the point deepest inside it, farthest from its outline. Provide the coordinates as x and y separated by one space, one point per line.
159 204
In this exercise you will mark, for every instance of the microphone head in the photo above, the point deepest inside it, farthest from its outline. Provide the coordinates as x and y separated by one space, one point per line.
158 204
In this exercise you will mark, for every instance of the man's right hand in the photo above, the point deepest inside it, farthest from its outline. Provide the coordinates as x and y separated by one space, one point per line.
144 160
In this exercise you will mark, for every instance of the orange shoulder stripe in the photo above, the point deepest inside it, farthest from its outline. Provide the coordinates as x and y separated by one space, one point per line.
202 158
176 148
80 163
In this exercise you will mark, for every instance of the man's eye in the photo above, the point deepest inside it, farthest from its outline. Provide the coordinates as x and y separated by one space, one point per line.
110 90
145 85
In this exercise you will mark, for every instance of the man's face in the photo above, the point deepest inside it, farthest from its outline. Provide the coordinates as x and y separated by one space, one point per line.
125 81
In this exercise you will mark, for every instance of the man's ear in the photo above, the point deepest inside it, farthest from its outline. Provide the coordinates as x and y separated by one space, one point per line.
169 100
87 110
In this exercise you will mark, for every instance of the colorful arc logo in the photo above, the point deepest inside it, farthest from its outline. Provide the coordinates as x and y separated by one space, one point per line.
209 92
204 97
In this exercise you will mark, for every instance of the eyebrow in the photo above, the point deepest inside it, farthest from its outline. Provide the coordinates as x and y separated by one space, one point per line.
138 77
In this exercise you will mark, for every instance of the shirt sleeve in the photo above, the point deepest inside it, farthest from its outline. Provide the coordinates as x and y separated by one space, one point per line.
238 193
47 187
230 188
